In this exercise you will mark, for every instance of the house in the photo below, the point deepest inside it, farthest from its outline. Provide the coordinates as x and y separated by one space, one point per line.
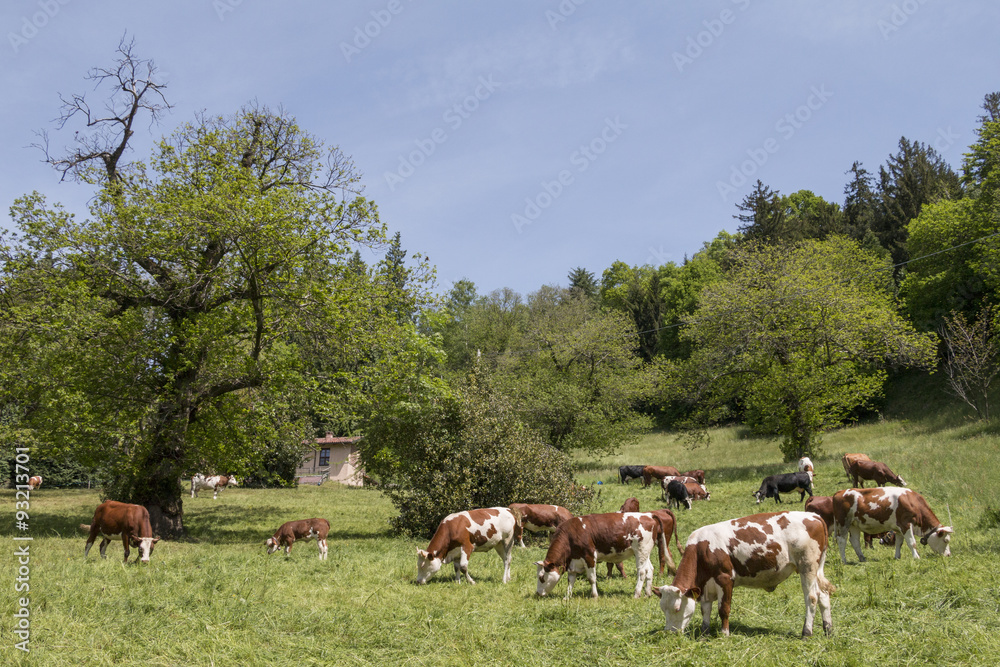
331 457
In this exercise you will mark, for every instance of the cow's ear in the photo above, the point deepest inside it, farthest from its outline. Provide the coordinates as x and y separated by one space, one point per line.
540 563
694 593
656 591
155 540
945 530
421 553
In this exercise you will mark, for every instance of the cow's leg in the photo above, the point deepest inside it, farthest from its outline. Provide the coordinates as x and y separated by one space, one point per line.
644 572
215 496
458 570
591 574
911 541
506 551
810 591
726 601
125 544
570 580
94 532
464 566
322 549
706 615
855 532
104 546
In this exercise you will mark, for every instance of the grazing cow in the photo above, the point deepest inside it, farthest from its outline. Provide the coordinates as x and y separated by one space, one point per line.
848 459
627 473
461 534
823 505
806 465
784 483
759 551
630 505
699 475
304 529
697 491
889 508
540 518
649 473
583 541
34 482
874 471
215 482
677 493
669 522
131 521
683 479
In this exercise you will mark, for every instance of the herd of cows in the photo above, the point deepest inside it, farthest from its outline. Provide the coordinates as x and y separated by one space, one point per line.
758 551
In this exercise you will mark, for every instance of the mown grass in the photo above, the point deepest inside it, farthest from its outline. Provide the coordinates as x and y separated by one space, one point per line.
218 599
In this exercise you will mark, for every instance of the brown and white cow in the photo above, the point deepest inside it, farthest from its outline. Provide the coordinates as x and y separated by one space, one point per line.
649 473
697 491
806 465
583 541
698 475
874 471
759 551
540 518
303 529
215 482
823 505
669 523
130 521
889 508
848 459
34 482
630 505
461 534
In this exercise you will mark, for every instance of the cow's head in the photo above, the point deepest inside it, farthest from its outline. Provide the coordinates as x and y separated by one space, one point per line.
427 566
759 495
145 545
938 540
272 545
233 482
548 577
678 606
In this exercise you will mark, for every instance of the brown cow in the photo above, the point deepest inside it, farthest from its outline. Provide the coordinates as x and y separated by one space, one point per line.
823 505
698 475
669 522
34 482
874 471
848 459
583 541
461 534
131 521
759 551
303 529
649 473
697 491
888 508
540 518
630 505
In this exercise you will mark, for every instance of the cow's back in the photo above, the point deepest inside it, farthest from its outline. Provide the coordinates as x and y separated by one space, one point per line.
112 517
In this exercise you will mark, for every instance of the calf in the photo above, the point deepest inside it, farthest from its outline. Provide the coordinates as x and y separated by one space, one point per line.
848 459
677 493
461 534
683 479
583 541
874 471
823 505
891 508
698 475
626 473
215 482
759 551
774 485
540 518
34 482
806 465
303 529
131 521
649 473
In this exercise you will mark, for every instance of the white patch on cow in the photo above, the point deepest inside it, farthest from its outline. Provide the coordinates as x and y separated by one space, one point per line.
677 609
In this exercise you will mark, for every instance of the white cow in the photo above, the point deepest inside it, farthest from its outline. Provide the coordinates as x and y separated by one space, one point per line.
215 482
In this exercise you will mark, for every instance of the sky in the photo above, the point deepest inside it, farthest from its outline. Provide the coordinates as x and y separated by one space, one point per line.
511 142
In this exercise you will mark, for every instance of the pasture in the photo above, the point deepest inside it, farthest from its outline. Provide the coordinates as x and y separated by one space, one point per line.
217 599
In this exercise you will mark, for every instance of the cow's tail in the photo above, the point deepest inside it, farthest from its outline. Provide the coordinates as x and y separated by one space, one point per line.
824 584
518 527
85 527
677 542
661 542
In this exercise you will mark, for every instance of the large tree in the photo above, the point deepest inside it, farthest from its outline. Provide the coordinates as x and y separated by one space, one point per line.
159 334
796 337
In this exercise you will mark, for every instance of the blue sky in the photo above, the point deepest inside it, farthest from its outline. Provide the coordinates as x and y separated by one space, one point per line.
511 142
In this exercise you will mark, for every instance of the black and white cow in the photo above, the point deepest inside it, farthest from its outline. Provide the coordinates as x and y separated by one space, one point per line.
774 485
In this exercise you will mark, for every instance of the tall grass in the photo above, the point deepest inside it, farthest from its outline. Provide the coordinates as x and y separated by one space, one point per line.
217 599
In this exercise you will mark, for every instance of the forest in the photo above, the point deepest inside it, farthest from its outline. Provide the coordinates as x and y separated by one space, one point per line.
213 312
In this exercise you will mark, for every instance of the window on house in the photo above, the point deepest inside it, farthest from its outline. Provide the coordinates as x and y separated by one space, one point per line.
324 457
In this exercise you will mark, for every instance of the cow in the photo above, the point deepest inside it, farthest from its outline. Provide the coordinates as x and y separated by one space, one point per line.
34 482
303 529
848 459
806 465
874 471
215 482
697 491
649 473
698 475
669 522
627 473
683 479
759 551
540 518
583 541
677 493
774 485
131 521
823 505
889 508
461 534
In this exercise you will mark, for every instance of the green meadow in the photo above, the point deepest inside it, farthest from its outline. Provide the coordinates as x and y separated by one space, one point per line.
218 599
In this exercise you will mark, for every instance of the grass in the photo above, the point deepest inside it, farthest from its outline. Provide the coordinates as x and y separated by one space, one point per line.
217 599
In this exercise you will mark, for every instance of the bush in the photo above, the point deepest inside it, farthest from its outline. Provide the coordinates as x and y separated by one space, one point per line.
462 451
